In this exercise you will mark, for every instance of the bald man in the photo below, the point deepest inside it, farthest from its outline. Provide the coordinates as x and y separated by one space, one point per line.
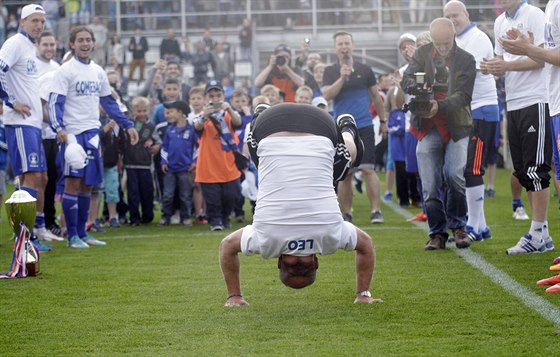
485 114
443 132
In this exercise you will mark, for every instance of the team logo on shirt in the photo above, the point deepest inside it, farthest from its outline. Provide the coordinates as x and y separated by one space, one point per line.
33 159
186 135
31 66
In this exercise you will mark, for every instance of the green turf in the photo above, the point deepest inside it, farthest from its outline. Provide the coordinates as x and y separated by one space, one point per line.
159 291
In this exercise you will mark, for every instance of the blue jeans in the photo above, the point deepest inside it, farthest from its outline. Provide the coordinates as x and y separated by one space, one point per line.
441 166
170 182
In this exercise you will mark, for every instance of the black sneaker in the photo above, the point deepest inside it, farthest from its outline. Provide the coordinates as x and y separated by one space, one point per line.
346 123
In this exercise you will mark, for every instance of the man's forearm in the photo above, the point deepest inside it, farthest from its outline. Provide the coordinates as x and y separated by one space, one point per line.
365 261
229 263
523 65
540 54
330 92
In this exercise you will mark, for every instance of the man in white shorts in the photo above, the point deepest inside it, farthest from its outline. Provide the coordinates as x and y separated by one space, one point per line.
299 151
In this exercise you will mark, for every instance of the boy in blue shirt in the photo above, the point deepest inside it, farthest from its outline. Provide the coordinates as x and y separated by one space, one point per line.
176 160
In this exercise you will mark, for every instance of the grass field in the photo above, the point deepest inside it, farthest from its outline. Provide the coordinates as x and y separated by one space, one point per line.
159 291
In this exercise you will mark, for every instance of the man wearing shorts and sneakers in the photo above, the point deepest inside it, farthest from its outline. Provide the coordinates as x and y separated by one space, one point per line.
299 151
528 125
23 113
353 87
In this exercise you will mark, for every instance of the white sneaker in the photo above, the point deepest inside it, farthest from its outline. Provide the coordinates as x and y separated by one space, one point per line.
176 218
520 214
548 244
527 245
47 235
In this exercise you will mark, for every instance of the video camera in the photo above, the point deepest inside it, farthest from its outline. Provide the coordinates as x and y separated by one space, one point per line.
423 92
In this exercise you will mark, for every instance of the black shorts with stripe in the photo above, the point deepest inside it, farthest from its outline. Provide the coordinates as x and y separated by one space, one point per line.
530 143
481 141
302 118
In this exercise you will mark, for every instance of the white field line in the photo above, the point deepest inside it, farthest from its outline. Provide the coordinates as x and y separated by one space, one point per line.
538 304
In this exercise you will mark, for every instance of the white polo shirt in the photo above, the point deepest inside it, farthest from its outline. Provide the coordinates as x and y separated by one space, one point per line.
477 43
18 52
552 42
523 88
297 211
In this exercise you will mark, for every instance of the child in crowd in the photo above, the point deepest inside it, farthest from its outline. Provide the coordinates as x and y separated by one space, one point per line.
216 170
272 93
196 101
240 103
177 152
171 93
304 95
137 160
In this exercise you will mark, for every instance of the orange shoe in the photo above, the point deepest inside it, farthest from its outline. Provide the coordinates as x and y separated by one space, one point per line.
554 289
549 281
420 217
555 267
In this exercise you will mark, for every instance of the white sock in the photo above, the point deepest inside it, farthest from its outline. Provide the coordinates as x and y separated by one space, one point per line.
475 205
537 229
545 230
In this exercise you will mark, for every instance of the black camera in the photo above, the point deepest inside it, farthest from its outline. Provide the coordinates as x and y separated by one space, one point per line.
422 94
281 60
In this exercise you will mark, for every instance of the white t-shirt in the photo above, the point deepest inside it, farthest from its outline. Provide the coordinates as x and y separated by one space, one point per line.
18 52
297 211
477 43
43 68
83 85
552 42
523 88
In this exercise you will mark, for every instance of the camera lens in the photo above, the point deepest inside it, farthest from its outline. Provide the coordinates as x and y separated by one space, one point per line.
281 60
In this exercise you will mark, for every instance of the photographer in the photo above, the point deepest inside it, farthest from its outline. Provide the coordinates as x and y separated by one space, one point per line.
280 73
442 130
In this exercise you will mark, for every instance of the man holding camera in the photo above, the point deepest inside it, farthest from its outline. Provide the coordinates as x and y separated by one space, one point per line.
280 73
443 130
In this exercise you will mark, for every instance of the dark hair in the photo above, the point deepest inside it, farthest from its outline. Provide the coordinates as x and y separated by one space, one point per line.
78 29
176 63
342 33
45 34
171 81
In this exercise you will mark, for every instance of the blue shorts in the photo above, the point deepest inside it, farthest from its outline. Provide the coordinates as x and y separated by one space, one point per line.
25 149
111 182
555 126
487 113
92 174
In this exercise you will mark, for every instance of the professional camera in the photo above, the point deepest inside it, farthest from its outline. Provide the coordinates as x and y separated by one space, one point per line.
422 94
281 60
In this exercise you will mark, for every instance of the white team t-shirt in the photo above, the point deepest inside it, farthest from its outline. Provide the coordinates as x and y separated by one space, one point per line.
477 43
43 68
552 42
523 88
83 85
18 52
297 211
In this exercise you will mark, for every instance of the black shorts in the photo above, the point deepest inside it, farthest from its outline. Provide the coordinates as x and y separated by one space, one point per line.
530 143
481 141
299 118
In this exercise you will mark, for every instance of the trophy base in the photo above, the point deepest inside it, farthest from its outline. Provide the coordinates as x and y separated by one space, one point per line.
33 269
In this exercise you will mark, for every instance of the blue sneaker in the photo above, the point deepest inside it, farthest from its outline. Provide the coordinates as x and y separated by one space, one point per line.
388 197
486 234
473 236
89 240
114 223
76 242
39 246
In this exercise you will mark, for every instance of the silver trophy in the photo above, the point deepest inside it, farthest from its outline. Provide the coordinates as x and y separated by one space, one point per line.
21 210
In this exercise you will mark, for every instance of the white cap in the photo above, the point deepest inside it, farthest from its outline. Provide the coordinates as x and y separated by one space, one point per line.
74 155
319 100
407 37
31 9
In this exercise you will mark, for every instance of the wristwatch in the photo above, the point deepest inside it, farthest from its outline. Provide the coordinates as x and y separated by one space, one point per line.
365 293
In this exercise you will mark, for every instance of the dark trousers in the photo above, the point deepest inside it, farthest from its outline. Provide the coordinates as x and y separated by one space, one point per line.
140 188
51 151
220 200
401 180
